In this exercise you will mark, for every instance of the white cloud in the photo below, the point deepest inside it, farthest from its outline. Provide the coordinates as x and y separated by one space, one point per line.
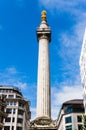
61 5
10 76
21 85
79 28
75 38
58 96
68 93
71 41
63 94
78 11
33 113
11 70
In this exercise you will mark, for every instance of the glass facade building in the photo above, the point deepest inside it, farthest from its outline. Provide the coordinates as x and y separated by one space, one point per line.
70 115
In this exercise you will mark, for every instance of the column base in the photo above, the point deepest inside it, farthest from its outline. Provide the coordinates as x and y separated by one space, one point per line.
43 123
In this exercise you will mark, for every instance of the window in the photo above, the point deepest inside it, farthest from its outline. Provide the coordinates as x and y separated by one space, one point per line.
2 108
2 91
5 95
17 96
8 119
8 111
20 112
68 110
19 120
1 119
10 91
14 111
7 103
10 96
68 119
79 127
12 127
19 128
21 105
69 127
79 118
13 120
11 103
6 127
14 103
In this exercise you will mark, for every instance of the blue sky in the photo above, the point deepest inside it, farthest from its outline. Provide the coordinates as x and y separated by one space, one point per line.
19 48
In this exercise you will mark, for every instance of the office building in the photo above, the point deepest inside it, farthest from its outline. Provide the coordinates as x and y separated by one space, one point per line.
83 68
3 114
70 115
17 109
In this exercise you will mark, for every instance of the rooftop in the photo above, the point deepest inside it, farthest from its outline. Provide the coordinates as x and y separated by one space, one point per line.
10 87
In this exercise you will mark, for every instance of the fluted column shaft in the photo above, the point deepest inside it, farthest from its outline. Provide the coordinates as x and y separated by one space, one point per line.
43 87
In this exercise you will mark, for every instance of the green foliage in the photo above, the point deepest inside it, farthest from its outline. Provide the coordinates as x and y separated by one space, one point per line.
84 122
83 127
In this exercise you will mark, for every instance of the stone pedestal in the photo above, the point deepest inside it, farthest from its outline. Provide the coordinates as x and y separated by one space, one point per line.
43 123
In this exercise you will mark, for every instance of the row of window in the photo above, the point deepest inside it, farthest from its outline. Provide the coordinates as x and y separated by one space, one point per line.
10 103
19 120
10 111
12 96
13 111
70 127
74 108
69 119
6 91
8 128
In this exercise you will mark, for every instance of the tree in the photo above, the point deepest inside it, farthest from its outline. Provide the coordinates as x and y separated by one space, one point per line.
84 122
83 127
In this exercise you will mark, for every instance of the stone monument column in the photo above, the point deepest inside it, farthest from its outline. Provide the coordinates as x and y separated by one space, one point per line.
43 81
